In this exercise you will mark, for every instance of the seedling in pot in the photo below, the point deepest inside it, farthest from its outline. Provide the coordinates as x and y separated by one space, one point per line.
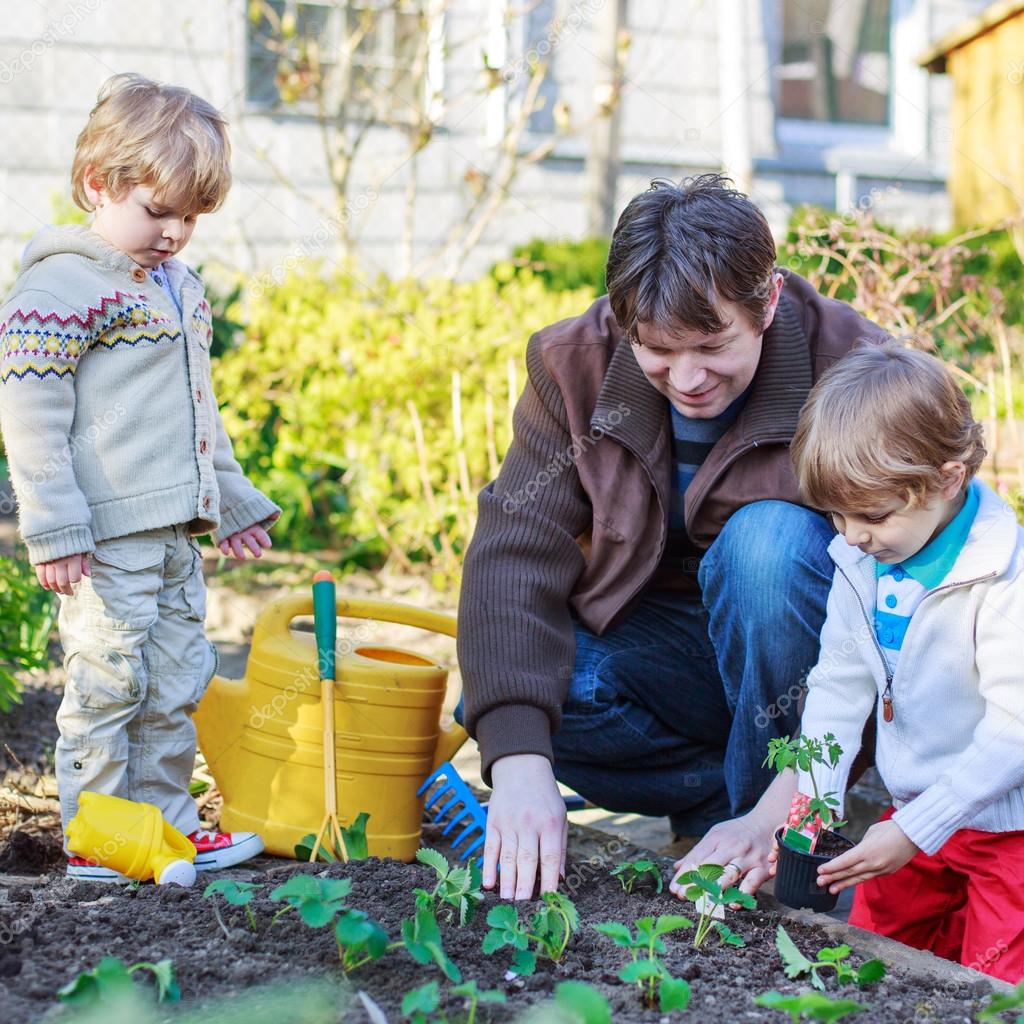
803 753
711 901
237 894
110 982
550 929
812 1005
457 889
649 972
632 872
832 958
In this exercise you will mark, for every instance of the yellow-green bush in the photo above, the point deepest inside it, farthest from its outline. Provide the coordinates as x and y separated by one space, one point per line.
325 392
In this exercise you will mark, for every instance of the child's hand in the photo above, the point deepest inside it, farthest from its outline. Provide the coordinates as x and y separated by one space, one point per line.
62 574
884 848
255 538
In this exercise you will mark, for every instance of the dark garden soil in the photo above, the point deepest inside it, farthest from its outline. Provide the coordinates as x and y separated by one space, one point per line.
52 929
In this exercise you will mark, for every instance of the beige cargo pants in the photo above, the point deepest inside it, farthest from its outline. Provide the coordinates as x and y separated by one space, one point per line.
137 662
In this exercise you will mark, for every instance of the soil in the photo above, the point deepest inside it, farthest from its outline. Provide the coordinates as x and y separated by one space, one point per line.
54 928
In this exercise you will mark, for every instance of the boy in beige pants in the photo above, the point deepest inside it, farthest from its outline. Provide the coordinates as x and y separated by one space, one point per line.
119 457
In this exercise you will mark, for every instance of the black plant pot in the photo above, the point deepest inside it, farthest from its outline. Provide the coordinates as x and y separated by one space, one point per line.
796 874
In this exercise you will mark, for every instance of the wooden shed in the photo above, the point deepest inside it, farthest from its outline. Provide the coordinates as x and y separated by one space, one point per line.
985 56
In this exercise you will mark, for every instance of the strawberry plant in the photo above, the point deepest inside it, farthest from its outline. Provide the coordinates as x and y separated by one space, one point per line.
457 889
582 1003
711 901
419 1003
630 873
471 992
803 753
111 981
832 958
649 972
422 940
550 929
237 894
812 1005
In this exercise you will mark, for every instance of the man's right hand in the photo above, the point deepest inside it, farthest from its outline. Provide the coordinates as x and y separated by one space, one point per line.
63 573
526 825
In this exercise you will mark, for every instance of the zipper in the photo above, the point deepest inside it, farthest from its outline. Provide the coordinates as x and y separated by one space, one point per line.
888 712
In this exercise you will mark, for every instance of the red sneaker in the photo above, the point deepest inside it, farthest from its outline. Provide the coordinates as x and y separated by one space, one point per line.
91 871
217 850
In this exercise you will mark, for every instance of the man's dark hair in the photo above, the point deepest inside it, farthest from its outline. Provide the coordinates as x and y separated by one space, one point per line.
680 250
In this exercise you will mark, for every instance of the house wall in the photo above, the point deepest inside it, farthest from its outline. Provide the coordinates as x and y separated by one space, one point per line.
55 55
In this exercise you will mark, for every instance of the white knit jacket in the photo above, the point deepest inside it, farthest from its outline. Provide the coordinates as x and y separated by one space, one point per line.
953 755
109 419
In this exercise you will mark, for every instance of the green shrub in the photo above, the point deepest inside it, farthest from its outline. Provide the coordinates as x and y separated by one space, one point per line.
339 400
562 266
27 614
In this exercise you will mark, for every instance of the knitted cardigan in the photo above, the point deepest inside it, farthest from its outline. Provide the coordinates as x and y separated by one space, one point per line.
953 755
106 403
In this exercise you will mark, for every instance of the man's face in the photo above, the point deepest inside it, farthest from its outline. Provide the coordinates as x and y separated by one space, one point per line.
703 374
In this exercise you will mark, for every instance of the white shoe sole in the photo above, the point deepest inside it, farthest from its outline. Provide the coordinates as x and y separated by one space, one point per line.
95 873
216 860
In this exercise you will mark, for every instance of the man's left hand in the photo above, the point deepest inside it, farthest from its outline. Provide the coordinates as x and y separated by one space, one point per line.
884 848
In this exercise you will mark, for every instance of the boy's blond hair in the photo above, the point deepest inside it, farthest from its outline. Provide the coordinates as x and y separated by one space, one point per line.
160 136
882 422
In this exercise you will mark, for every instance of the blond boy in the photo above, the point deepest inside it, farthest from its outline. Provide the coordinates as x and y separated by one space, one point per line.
118 454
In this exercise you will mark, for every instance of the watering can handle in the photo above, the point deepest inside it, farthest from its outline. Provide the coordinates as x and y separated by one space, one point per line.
278 615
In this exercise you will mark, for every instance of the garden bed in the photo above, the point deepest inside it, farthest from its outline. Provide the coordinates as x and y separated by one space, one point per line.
54 928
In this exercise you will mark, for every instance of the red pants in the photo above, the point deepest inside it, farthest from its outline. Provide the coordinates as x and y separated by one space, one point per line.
964 903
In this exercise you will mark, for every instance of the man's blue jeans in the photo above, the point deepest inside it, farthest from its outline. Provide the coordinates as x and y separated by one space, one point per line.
670 712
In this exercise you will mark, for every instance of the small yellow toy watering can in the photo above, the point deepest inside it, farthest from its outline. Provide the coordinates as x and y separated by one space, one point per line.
262 735
132 838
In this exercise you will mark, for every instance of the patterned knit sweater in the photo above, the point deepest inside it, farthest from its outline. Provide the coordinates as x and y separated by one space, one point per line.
106 404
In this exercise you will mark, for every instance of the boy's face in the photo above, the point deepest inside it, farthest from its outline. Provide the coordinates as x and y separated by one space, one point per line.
703 374
892 530
138 224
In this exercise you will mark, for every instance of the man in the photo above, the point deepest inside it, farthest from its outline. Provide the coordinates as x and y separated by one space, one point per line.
643 595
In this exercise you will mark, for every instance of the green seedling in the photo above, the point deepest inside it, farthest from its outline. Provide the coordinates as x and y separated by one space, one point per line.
360 939
355 843
630 872
550 929
458 890
812 1005
422 939
704 890
318 900
471 992
111 982
583 1003
419 1003
1000 1004
237 894
832 958
649 973
803 753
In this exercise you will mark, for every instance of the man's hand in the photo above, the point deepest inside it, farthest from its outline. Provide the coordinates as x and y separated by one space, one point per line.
884 848
62 574
255 538
526 824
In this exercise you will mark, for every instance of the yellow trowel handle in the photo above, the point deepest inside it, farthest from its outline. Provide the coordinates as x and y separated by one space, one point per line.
277 617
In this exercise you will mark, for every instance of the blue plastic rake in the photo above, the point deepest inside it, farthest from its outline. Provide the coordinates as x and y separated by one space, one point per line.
462 800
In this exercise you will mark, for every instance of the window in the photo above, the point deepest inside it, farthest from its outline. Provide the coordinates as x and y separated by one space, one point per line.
295 45
836 61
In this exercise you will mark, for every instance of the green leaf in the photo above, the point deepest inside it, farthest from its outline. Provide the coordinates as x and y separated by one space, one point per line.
729 937
673 994
304 850
109 978
166 985
436 860
830 954
870 971
504 915
620 934
424 999
494 940
355 837
670 923
813 1004
794 962
584 1002
238 894
641 970
744 899
524 962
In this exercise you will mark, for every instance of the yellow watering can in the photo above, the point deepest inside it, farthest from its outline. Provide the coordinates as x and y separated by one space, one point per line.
132 838
262 735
